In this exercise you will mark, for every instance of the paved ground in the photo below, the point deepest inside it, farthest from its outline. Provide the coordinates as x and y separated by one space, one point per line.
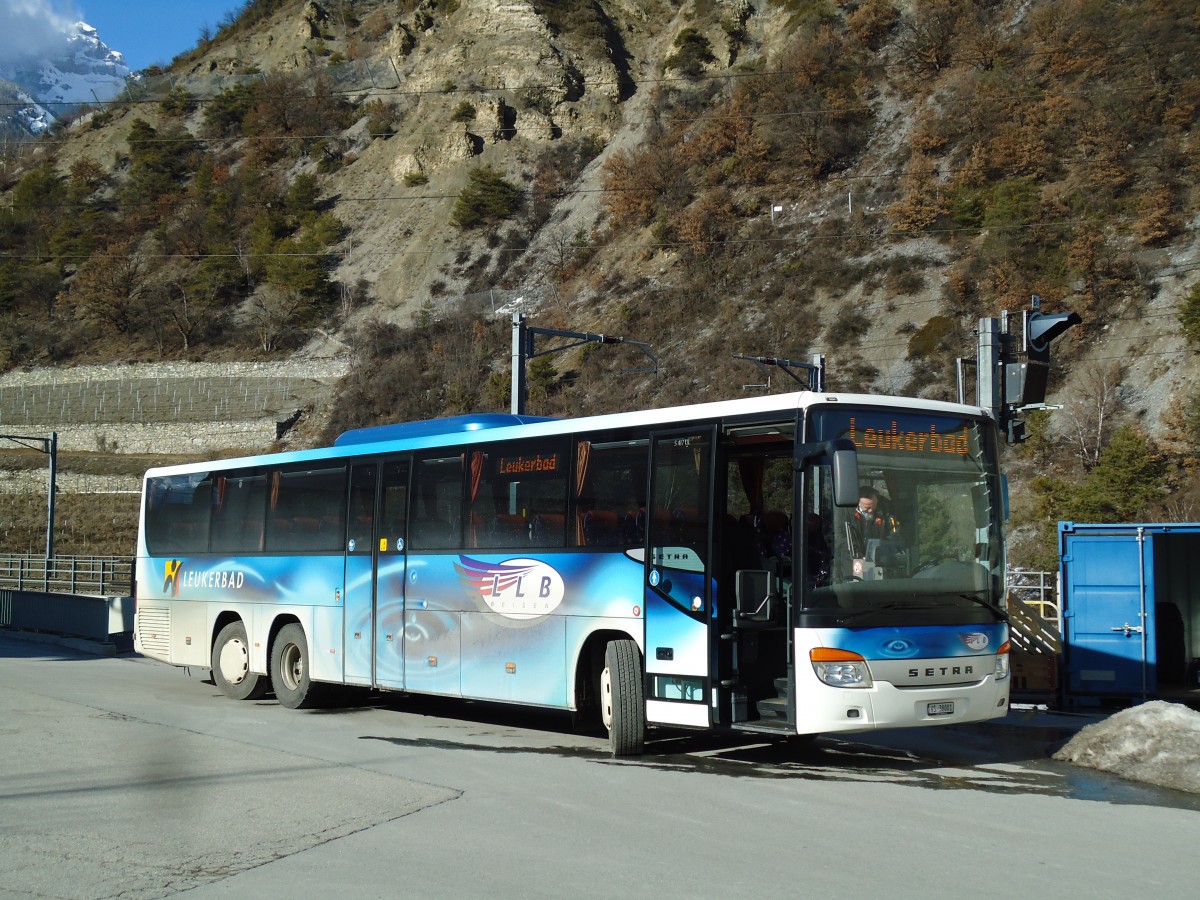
125 777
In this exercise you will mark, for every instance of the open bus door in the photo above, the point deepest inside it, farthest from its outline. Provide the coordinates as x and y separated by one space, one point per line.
679 577
756 578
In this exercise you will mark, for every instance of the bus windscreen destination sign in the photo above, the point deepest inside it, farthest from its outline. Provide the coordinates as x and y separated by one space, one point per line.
900 433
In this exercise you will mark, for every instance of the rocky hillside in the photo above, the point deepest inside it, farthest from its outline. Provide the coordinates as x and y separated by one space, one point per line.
385 182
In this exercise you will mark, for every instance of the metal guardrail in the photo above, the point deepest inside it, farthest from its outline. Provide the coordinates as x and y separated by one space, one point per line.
1039 591
99 575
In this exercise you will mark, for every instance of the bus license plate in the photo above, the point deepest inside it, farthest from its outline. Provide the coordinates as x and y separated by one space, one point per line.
941 709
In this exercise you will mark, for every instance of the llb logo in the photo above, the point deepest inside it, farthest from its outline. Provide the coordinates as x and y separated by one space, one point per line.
976 640
515 588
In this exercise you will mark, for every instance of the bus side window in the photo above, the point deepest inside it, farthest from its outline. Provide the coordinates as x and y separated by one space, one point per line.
177 514
436 517
517 495
239 511
609 493
395 507
361 515
306 510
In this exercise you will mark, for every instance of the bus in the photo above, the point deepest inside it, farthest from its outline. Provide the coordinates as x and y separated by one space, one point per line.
703 566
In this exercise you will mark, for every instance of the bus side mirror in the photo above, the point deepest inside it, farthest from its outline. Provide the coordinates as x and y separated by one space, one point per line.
845 476
843 457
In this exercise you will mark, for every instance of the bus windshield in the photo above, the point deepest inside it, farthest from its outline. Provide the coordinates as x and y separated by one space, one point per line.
925 539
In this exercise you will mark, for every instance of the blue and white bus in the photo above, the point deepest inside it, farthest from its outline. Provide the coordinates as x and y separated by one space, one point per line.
704 566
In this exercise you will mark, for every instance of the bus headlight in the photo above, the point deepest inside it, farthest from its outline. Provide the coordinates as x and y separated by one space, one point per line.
840 668
1002 661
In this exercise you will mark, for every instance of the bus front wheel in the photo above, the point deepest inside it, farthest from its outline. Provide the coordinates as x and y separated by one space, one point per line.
622 701
291 669
231 665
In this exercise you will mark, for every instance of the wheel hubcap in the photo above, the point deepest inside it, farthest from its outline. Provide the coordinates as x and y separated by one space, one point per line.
606 706
234 662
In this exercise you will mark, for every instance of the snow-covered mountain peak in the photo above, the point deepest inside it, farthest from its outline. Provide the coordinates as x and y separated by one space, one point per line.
83 69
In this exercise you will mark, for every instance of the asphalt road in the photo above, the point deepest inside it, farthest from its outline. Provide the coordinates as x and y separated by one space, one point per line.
122 777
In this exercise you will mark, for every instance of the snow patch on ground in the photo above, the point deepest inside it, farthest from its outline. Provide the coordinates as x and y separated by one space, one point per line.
1156 743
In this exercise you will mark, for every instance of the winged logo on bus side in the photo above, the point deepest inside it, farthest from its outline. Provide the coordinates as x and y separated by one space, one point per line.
976 640
514 588
491 578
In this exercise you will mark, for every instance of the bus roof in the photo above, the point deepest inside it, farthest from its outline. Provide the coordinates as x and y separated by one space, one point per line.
470 429
431 427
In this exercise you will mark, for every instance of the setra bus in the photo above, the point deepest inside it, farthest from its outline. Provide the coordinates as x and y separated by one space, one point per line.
705 566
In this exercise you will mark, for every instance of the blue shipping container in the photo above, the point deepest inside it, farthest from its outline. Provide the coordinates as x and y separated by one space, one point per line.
1131 610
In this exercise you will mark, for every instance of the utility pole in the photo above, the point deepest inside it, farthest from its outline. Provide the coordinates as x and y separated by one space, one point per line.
1009 384
523 350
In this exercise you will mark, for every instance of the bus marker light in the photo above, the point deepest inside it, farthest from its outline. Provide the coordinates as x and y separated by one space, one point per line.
433 662
510 668
1002 661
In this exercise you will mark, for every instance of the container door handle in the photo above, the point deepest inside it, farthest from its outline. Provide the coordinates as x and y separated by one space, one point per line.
1128 629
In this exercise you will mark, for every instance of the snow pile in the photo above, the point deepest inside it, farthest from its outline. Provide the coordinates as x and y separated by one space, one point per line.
1156 743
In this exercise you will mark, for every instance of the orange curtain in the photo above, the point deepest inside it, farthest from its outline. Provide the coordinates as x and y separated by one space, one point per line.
477 460
583 455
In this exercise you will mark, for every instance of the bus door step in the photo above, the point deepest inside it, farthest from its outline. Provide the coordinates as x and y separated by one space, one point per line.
773 709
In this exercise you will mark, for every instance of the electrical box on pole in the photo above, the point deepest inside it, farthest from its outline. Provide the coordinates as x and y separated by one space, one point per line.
1009 383
1025 382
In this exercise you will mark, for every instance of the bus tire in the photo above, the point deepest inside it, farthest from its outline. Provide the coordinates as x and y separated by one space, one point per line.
622 699
291 669
231 665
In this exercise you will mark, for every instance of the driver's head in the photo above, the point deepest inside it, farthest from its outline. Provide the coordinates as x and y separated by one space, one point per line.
868 500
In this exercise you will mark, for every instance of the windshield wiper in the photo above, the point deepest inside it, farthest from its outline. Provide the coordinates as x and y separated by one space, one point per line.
1000 612
882 607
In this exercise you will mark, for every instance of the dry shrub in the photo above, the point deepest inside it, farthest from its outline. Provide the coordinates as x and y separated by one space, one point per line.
923 202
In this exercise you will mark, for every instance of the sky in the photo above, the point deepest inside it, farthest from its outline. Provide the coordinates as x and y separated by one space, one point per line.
146 32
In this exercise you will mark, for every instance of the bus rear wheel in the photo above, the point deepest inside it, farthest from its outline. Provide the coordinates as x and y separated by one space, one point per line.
291 670
622 700
231 665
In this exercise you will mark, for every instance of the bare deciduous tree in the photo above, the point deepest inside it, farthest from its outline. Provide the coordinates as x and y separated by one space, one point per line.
108 290
1090 416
